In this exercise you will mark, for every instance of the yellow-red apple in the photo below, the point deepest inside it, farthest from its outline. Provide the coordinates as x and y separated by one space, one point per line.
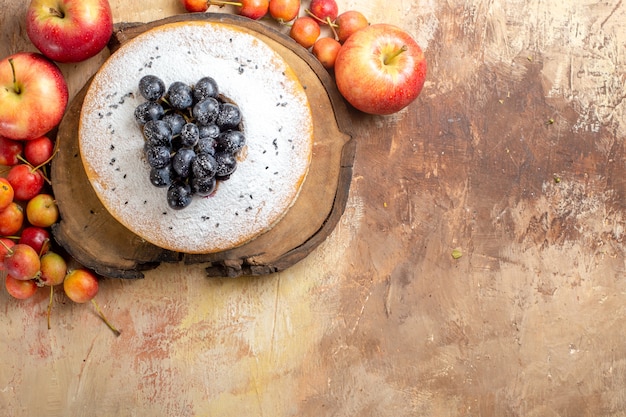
380 69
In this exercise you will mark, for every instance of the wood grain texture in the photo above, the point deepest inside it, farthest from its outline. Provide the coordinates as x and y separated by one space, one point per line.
380 319
96 239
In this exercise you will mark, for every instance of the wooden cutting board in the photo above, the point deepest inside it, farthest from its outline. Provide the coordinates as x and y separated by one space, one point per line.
98 241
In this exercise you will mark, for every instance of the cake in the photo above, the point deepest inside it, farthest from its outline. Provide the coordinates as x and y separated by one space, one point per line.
277 122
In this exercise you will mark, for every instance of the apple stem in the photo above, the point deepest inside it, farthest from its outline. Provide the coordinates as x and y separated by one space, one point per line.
56 12
104 319
50 306
389 58
16 86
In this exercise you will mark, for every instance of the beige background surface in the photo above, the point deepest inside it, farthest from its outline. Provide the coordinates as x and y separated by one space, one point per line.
380 320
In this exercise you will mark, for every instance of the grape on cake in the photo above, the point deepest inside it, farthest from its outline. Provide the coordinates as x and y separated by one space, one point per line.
178 159
270 146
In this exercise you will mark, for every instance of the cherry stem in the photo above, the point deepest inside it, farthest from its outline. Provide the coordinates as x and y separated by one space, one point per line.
9 250
332 28
104 319
16 86
389 58
224 3
326 22
50 306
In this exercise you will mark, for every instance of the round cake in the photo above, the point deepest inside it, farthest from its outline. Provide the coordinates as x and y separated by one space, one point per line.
270 171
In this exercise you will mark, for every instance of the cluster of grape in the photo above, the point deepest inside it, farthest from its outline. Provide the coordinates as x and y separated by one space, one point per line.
192 137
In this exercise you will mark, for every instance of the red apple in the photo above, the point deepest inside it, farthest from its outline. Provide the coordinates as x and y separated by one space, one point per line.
33 96
38 151
69 30
380 69
195 6
80 285
10 150
42 210
26 181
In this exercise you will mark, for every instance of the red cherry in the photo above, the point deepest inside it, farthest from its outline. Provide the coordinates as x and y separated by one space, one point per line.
9 151
26 181
20 289
36 237
22 261
305 30
38 151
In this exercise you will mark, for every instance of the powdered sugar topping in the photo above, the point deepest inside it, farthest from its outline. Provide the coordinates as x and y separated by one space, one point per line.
277 123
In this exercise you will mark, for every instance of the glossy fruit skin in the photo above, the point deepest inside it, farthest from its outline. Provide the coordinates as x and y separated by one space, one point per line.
369 84
324 10
69 30
284 10
39 103
11 219
348 23
42 210
80 285
305 30
6 243
53 269
253 9
22 261
25 181
195 6
20 289
326 50
6 193
36 237
9 151
39 150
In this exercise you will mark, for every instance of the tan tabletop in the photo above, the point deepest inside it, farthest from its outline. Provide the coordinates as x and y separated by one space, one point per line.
513 156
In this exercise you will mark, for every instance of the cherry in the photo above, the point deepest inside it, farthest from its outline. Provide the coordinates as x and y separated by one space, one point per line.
53 269
22 261
37 238
253 9
195 6
11 219
5 245
26 181
326 50
80 286
325 11
10 150
20 289
349 22
305 30
42 210
6 193
284 10
39 151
